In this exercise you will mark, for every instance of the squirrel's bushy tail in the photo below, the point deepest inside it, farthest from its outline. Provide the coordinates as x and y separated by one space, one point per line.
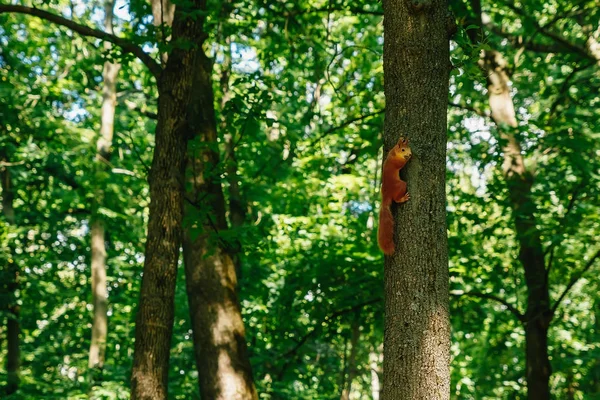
385 233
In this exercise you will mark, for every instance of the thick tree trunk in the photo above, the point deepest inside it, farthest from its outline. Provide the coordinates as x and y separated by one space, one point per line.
154 320
13 356
224 370
104 143
417 326
352 371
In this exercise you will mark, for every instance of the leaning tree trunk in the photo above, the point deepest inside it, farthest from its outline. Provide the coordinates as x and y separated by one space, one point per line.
154 320
417 326
224 370
103 149
13 356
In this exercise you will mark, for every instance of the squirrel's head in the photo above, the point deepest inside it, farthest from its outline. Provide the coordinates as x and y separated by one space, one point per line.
402 149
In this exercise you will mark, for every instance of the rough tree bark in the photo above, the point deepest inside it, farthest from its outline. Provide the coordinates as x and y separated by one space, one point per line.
224 370
417 326
13 356
154 321
103 149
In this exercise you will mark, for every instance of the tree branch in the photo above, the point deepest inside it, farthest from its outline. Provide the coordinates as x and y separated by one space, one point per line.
125 45
519 41
321 136
565 87
345 124
477 111
353 10
327 318
576 190
548 33
487 296
574 280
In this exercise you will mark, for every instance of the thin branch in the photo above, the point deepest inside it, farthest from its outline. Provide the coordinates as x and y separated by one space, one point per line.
141 110
552 35
345 124
328 9
125 45
519 41
11 164
575 279
318 138
565 87
552 247
477 111
327 318
487 296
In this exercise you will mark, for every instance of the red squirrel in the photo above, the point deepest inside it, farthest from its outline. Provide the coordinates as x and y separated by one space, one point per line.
392 188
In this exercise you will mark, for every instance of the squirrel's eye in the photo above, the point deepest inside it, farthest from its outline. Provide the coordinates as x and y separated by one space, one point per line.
403 149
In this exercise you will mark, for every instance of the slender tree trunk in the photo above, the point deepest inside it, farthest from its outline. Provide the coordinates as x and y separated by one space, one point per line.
163 12
531 254
237 204
417 326
519 182
99 300
13 356
104 143
352 371
224 370
374 365
154 320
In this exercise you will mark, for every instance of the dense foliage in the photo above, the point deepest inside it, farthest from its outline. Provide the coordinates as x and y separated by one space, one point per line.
304 106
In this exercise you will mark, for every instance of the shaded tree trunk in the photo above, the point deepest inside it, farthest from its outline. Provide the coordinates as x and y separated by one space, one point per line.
154 320
13 356
417 326
103 149
224 370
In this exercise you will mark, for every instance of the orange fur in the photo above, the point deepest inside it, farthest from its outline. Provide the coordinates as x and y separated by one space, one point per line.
392 189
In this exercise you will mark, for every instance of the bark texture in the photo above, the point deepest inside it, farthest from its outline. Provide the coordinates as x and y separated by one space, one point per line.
10 286
154 320
103 149
417 326
224 370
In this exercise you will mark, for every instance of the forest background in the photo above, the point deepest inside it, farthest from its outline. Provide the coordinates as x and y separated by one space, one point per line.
292 196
